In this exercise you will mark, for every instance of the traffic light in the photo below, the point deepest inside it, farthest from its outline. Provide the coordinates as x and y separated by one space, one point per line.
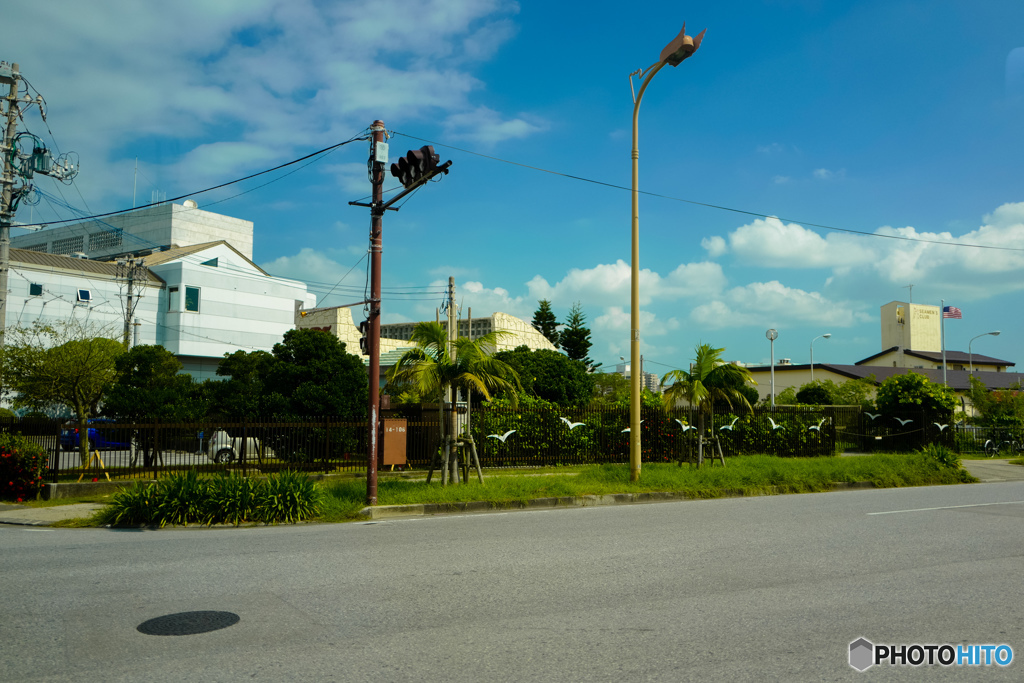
364 344
416 164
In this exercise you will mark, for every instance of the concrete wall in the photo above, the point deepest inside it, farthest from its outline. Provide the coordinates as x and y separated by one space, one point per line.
146 229
58 304
911 326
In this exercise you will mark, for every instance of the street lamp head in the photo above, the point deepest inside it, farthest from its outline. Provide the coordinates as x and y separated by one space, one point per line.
827 336
772 334
995 334
681 47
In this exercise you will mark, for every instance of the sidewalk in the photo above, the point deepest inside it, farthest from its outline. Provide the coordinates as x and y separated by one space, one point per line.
30 516
996 469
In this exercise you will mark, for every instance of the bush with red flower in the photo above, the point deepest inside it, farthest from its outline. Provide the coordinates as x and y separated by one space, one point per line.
22 463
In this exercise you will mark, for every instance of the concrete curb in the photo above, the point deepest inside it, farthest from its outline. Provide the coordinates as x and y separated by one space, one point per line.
424 509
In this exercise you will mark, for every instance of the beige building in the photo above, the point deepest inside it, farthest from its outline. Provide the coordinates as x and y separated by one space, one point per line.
912 341
339 322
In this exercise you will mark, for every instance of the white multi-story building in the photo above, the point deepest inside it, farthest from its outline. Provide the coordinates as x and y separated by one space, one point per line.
200 300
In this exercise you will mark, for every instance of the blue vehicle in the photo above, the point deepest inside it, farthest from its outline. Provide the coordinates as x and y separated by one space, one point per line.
100 438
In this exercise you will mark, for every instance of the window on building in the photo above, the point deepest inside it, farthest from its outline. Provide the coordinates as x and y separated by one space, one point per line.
192 299
173 300
84 296
211 262
35 290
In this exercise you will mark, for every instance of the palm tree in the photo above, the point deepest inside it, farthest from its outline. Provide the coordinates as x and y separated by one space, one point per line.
437 366
709 379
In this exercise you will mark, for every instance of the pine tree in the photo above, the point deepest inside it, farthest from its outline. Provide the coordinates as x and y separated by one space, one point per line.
545 323
575 338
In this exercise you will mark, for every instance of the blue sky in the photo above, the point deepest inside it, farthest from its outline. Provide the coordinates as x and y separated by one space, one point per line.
890 117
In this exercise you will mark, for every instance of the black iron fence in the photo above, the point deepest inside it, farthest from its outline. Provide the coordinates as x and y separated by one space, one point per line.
504 437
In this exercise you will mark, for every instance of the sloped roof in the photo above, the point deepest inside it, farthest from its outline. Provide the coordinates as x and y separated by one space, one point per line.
41 259
958 380
936 357
174 253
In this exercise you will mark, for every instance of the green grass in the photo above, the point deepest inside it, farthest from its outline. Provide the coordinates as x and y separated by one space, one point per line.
748 475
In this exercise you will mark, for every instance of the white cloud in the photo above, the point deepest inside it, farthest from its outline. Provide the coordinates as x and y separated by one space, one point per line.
771 243
486 126
772 303
714 245
781 179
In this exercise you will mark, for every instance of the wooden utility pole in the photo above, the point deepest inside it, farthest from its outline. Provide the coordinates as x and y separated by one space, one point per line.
373 316
7 195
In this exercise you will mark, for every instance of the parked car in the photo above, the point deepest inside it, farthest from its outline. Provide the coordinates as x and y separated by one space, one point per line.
222 447
101 437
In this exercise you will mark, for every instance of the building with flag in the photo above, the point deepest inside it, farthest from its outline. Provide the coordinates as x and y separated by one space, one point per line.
911 336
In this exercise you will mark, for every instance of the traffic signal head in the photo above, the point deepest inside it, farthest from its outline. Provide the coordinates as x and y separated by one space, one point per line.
416 164
364 330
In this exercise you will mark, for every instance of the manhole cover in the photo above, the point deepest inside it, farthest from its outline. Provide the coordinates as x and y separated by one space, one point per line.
188 623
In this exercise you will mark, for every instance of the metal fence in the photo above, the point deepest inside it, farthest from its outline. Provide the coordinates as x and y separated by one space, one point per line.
531 438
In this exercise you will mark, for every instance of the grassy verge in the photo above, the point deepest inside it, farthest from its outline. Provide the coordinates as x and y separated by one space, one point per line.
748 475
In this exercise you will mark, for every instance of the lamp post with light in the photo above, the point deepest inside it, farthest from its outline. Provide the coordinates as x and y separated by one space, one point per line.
827 335
772 335
681 47
970 356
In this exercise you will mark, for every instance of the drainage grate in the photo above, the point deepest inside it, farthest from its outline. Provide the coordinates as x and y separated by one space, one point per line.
188 623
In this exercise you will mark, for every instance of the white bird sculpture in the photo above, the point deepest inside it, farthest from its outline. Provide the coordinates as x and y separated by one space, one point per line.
817 427
873 415
572 425
941 427
728 426
502 437
628 428
903 423
776 426
685 427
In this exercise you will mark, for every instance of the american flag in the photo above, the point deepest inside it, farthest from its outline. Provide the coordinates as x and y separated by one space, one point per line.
952 312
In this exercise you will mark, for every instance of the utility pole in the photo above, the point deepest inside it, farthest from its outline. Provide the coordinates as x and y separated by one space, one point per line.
131 270
451 463
11 77
373 315
23 164
413 171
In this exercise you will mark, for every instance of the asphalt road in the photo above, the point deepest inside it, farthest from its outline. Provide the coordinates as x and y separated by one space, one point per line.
771 588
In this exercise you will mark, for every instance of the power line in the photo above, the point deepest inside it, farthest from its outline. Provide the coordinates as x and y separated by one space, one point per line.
719 207
208 189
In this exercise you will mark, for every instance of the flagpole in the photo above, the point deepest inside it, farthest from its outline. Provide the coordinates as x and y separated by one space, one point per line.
942 337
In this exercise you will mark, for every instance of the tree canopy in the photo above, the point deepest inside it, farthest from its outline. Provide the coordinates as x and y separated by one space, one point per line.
575 337
57 366
914 391
149 386
550 375
545 322
308 373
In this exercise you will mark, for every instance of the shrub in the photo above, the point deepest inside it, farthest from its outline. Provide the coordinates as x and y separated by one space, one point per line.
184 498
233 499
21 468
132 506
944 458
289 497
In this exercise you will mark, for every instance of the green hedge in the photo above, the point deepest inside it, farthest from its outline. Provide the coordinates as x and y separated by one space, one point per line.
22 463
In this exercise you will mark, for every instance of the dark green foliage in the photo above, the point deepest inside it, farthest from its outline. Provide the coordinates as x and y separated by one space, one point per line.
309 373
1001 411
182 499
232 499
575 337
913 391
289 497
814 394
22 463
149 386
550 375
945 459
185 498
544 322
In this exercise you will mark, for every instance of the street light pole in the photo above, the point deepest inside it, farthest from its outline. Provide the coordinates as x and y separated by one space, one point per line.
970 355
827 335
674 53
772 335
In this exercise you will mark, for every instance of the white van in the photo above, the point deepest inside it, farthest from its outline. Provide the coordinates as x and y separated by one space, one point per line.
224 448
